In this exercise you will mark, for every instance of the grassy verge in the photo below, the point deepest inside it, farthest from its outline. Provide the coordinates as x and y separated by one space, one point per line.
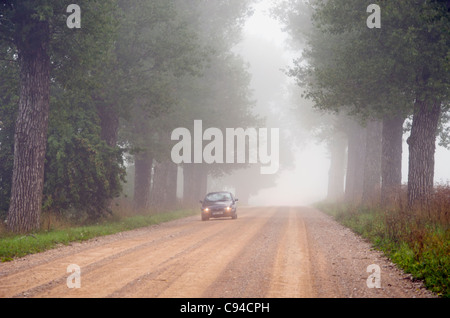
14 246
418 242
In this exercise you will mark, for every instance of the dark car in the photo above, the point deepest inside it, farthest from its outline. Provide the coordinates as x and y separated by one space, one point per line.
217 205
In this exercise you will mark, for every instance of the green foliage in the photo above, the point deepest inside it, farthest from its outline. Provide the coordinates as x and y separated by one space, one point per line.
375 72
8 111
79 55
82 172
153 46
156 46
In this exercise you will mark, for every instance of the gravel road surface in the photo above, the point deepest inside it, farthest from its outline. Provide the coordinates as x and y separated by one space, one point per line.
276 252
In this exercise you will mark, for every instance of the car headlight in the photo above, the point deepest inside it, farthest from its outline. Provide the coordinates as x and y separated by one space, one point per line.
228 208
206 209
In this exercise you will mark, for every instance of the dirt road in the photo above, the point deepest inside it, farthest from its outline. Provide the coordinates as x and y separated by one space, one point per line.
266 252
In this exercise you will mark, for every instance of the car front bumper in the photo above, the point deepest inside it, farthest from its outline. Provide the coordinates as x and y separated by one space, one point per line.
218 212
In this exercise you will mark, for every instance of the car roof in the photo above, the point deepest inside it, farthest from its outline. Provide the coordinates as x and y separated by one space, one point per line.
216 192
219 192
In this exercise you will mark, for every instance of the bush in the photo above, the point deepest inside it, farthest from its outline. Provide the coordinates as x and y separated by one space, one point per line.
82 173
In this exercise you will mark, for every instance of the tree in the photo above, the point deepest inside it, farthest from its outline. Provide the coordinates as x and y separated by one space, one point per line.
336 175
31 29
372 163
391 159
31 36
426 25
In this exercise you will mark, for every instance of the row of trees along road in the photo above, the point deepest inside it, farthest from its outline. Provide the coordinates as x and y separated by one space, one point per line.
373 80
77 104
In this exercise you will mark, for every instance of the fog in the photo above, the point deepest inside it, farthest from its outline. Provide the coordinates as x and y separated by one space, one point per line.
442 164
265 48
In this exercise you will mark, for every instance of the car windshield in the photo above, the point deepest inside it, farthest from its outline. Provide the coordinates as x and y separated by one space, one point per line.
219 196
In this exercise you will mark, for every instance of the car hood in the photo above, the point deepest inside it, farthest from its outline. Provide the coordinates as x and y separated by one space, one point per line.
217 204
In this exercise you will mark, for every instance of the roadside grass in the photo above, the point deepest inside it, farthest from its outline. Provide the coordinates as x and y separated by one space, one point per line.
417 241
15 246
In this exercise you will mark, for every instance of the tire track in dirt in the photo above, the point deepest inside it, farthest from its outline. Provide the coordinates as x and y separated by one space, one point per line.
292 271
249 273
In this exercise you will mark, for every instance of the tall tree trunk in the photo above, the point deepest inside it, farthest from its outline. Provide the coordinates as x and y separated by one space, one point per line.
372 163
172 183
391 160
164 189
355 163
158 190
336 174
195 183
142 181
202 177
188 185
109 124
422 147
30 138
